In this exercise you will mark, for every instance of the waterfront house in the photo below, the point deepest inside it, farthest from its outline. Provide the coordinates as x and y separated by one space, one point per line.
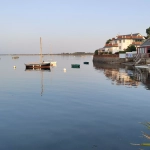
121 42
144 48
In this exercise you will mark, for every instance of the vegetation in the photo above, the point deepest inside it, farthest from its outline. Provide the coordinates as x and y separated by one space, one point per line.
96 52
121 52
130 48
147 124
148 32
108 41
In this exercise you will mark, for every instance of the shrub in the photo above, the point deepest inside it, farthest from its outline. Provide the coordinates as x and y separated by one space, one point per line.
121 52
96 52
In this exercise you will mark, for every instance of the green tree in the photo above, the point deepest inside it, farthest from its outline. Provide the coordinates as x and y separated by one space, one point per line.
108 41
96 52
131 48
148 32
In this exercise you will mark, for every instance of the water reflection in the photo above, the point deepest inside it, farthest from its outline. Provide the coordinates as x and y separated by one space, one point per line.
38 69
128 76
41 71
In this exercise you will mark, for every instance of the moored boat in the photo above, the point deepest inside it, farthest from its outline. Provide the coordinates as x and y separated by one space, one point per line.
53 63
86 62
75 66
38 65
42 64
15 57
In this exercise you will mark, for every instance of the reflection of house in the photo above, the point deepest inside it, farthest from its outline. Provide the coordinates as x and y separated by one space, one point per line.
144 48
125 75
121 42
120 78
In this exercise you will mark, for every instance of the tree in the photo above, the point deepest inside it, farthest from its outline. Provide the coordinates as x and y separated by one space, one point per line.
96 52
148 32
131 48
108 41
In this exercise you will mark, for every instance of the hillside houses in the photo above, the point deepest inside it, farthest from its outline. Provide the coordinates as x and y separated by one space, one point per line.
121 42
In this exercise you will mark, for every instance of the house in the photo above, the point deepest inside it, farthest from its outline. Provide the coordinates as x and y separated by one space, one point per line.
144 48
121 42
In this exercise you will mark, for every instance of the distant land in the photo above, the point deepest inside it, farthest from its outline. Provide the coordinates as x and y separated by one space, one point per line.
75 53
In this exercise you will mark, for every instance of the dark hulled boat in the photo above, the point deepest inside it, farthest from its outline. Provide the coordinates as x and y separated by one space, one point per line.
41 65
38 65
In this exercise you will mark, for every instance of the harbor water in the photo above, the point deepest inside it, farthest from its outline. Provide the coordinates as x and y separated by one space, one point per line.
94 107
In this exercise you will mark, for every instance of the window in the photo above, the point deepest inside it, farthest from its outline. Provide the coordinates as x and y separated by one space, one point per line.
123 41
119 47
120 41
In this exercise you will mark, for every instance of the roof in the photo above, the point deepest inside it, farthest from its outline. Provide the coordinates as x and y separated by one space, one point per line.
146 43
134 34
130 36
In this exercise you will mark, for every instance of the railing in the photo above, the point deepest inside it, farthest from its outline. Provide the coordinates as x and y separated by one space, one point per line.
111 45
107 55
137 43
139 57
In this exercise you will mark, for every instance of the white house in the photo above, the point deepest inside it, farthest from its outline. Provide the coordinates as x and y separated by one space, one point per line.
121 42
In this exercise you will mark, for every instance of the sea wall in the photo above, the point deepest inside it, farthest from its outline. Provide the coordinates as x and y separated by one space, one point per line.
110 59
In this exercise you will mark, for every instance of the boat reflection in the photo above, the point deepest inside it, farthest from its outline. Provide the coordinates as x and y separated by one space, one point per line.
128 76
38 69
41 70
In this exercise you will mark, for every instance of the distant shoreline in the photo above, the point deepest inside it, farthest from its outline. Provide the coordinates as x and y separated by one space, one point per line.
47 54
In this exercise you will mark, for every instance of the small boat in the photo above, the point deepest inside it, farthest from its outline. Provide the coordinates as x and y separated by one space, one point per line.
53 63
15 57
41 65
86 62
75 66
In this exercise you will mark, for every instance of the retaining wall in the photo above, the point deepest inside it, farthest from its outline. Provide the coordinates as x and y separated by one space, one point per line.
108 59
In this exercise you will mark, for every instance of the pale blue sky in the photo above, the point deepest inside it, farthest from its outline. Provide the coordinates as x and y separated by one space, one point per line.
68 25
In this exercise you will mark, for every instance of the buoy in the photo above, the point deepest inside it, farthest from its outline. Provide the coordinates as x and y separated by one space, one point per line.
14 67
64 69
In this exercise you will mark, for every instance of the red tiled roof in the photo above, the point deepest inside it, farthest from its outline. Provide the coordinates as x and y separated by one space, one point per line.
130 37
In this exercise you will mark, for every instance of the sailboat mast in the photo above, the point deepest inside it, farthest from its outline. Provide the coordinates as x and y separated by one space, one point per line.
40 49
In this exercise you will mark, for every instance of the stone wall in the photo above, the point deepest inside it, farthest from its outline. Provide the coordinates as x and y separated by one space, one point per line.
111 59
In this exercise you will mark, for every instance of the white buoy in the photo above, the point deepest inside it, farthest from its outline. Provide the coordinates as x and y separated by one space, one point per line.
64 69
14 67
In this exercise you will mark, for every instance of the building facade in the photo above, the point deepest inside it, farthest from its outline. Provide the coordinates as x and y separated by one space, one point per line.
121 42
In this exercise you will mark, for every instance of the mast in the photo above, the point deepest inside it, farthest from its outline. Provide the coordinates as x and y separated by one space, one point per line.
42 89
40 49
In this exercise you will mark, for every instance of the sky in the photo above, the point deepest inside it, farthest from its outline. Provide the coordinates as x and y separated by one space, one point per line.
68 26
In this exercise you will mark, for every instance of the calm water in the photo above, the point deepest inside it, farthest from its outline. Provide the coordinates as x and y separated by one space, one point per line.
95 107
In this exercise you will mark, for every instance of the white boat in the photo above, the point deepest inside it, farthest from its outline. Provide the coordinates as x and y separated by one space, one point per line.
53 63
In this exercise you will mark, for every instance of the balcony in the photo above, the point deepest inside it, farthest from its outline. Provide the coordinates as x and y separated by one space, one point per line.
111 45
136 43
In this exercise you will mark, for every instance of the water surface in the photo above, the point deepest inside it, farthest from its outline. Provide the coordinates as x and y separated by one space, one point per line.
95 107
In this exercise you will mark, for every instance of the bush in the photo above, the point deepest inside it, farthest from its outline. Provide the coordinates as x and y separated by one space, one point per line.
121 52
96 52
130 48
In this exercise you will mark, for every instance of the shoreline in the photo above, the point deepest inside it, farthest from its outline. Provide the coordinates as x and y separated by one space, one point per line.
45 54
